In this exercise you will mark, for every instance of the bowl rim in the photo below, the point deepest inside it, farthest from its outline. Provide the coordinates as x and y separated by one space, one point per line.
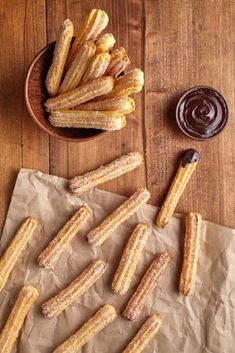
177 109
33 116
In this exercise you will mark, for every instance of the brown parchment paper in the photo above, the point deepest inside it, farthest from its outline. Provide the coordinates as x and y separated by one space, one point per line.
203 322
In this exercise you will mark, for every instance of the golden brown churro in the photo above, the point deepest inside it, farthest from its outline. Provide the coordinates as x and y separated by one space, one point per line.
130 259
82 94
56 247
193 223
187 166
14 250
119 62
109 121
26 298
61 50
79 65
131 82
117 167
122 105
145 334
103 231
97 67
74 290
102 318
146 286
93 25
105 43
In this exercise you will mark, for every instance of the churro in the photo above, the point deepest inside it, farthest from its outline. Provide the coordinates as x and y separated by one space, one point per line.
82 94
26 298
61 50
187 166
130 259
117 167
102 318
14 250
122 105
109 121
193 223
97 67
74 290
145 334
56 247
105 43
146 286
131 82
103 231
79 65
119 62
93 25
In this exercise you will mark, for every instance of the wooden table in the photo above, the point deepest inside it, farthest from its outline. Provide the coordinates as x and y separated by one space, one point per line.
178 44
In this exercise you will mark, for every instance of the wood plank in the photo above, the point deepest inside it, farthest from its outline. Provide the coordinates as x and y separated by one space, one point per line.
11 91
56 14
35 142
185 46
126 24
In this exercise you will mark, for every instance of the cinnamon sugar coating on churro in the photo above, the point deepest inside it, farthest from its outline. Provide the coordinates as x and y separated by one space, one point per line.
148 282
74 290
145 334
15 248
130 258
117 167
193 224
102 318
26 298
61 50
103 231
82 94
55 248
109 121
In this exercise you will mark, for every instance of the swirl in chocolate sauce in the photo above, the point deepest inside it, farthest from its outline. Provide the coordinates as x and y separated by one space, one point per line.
201 113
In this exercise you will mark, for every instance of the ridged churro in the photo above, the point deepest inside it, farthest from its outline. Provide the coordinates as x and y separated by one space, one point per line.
193 223
122 105
146 286
82 94
102 232
74 290
93 25
105 43
130 259
78 67
102 318
187 166
119 62
109 121
97 67
26 298
61 50
145 334
117 167
14 250
53 251
131 82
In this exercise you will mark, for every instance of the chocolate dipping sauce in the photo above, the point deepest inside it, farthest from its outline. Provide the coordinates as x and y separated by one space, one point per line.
201 113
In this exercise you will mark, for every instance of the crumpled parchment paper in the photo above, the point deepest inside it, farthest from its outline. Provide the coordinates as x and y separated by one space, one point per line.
203 322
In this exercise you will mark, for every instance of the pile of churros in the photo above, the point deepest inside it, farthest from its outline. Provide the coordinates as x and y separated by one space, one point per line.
126 268
86 79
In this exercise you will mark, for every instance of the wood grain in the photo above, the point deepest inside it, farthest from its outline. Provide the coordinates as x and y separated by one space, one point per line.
179 44
185 46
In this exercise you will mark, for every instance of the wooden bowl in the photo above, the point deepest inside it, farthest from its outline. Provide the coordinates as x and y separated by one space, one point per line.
36 94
